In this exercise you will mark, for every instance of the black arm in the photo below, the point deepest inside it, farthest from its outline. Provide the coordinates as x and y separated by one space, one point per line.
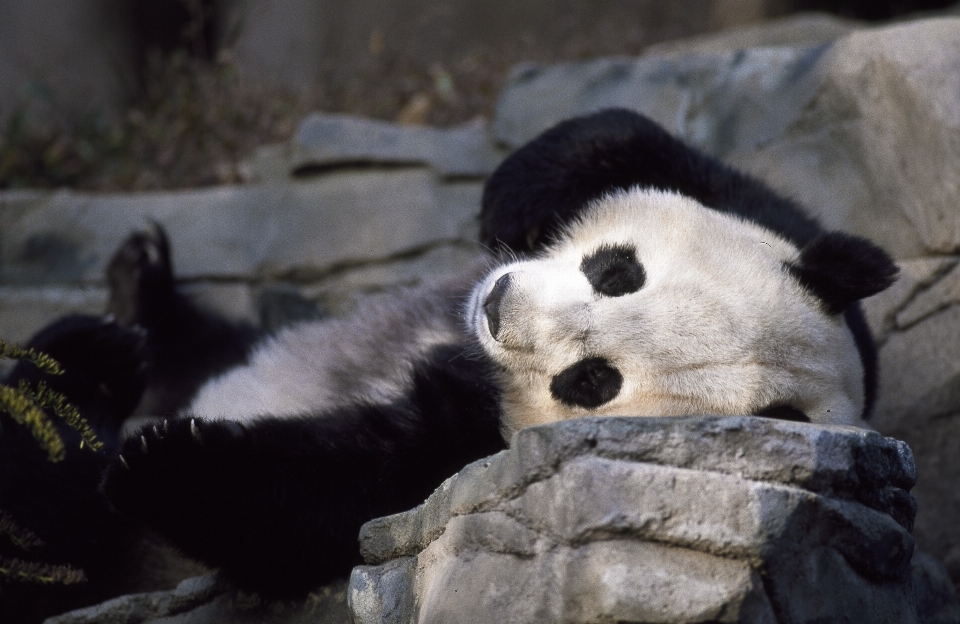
277 504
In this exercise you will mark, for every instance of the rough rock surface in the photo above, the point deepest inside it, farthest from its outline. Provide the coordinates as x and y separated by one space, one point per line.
661 520
794 30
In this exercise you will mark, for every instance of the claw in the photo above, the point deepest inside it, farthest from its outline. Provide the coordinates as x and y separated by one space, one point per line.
166 426
143 444
193 429
124 463
156 431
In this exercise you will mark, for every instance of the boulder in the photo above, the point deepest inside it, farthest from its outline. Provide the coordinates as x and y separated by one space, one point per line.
794 30
661 520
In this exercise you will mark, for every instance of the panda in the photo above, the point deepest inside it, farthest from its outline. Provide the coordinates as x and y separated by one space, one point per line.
630 275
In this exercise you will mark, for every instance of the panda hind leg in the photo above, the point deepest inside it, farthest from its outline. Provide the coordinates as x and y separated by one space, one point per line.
141 280
185 344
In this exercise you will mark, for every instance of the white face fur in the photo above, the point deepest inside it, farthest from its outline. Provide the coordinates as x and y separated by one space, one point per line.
713 323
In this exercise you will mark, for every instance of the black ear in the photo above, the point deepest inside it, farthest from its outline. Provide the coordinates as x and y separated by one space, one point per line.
840 269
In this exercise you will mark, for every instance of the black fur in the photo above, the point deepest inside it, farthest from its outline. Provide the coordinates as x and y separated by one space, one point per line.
277 504
185 345
841 269
589 383
784 412
547 183
614 270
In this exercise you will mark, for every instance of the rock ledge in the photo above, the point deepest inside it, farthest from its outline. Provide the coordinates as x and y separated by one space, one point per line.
661 520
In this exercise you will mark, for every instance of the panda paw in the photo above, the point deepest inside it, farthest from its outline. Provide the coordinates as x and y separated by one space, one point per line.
172 470
139 273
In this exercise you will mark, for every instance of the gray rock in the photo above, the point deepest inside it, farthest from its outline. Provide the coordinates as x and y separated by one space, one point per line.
720 101
24 309
861 116
657 520
303 229
885 102
206 600
327 142
883 311
933 589
137 608
265 254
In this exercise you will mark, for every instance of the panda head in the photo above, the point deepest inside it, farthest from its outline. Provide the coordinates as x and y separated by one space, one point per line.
650 304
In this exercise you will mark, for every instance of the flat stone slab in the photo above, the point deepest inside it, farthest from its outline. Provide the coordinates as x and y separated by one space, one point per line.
296 229
657 520
327 141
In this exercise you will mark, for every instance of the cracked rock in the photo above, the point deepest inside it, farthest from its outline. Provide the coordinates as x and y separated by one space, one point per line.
726 519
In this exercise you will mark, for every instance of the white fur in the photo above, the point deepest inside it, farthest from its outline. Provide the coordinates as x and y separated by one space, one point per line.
316 366
719 327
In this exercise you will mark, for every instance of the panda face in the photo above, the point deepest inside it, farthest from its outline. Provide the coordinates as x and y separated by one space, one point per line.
654 305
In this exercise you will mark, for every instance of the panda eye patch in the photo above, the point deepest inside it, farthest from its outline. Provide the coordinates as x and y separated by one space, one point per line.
614 271
588 383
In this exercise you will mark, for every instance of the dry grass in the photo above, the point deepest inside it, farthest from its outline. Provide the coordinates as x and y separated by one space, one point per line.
192 126
196 122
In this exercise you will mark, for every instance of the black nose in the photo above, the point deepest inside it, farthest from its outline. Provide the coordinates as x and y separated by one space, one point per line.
491 306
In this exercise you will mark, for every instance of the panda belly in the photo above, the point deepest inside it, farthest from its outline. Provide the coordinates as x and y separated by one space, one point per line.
316 366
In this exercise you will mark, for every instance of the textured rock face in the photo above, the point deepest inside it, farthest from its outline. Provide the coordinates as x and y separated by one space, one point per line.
659 520
331 141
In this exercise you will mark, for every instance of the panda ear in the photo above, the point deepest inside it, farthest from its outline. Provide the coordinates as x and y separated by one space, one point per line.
840 269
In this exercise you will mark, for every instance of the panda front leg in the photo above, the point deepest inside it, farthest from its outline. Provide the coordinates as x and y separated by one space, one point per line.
275 505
